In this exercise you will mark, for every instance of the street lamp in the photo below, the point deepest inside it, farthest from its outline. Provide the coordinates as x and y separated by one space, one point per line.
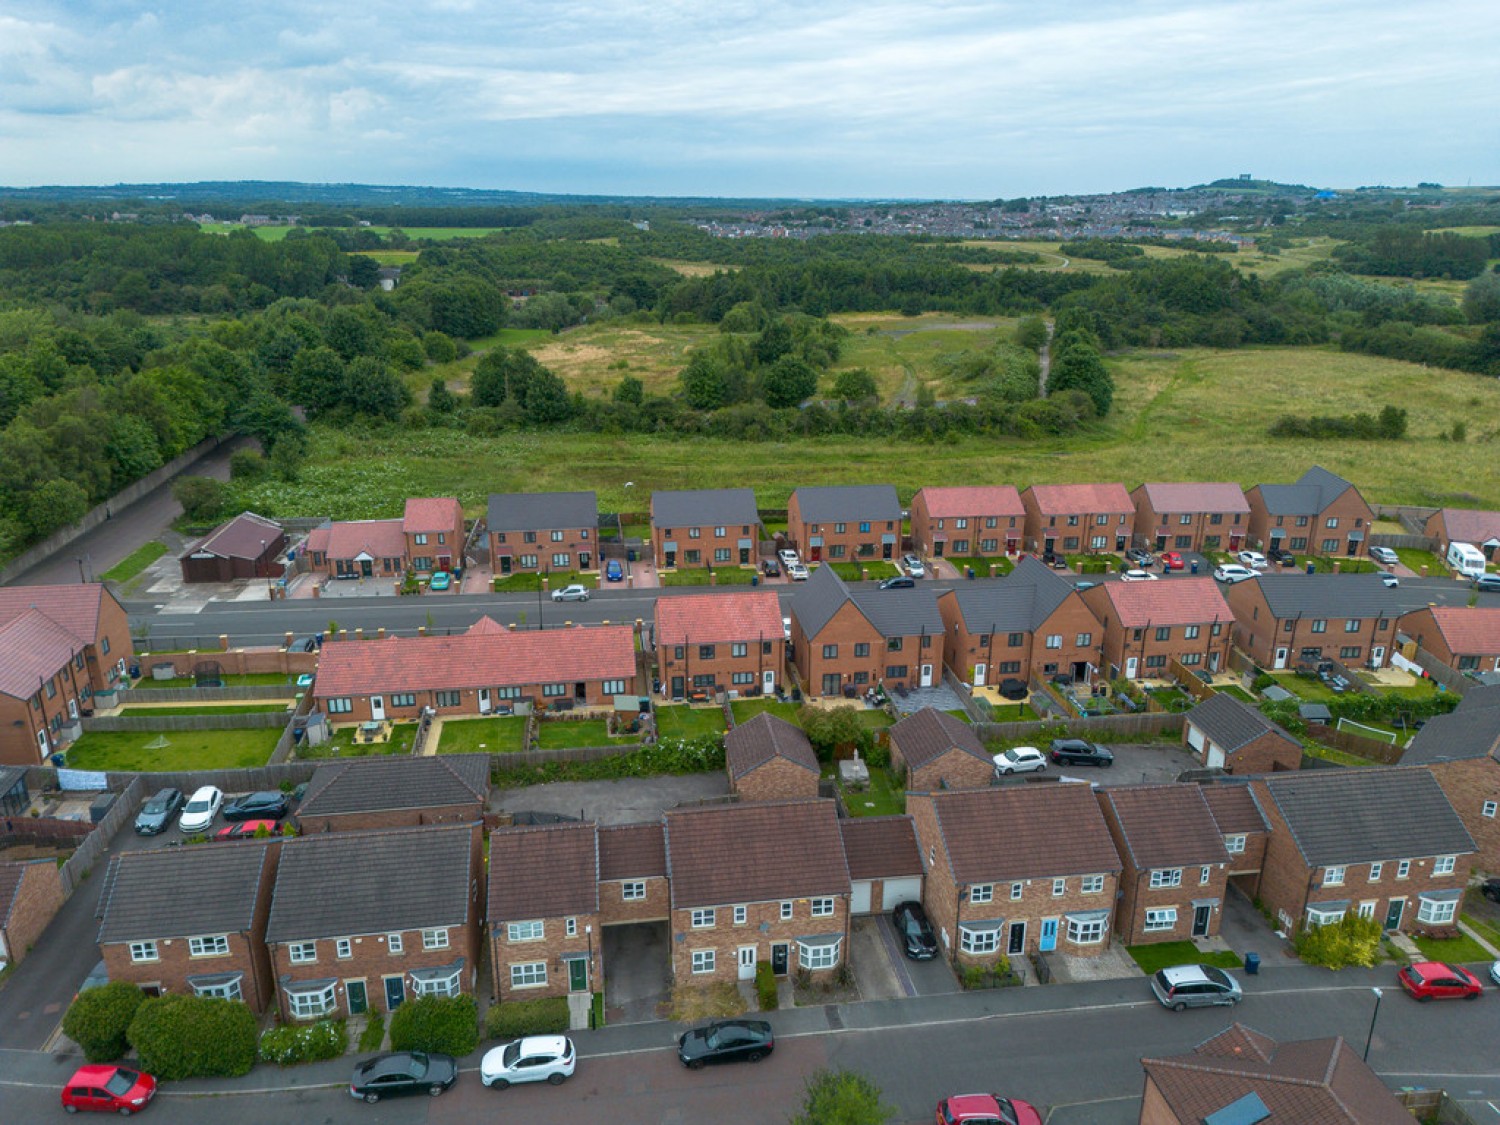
1373 1016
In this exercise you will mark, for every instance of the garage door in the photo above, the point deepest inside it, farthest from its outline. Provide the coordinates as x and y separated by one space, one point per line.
902 890
1195 737
859 897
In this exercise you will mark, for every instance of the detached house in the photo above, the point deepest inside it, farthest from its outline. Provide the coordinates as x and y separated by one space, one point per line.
845 643
434 531
1225 734
358 549
1191 517
1384 843
705 527
979 521
60 646
1462 750
845 523
1464 525
1466 639
1147 625
541 532
360 921
395 792
934 750
248 546
1032 623
770 759
544 911
731 641
1092 518
1282 620
1015 869
1322 514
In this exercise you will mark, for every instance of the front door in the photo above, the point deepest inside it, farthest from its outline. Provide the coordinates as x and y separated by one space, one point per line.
980 670
927 675
677 687
484 701
1201 915
578 975
377 708
1048 941
780 955
366 567
1213 662
395 992
937 548
1131 663
1016 941
747 962
768 682
504 564
1280 661
669 559
1393 913
354 991
1377 656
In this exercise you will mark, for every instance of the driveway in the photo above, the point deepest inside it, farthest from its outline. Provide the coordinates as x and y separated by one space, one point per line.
1136 764
884 972
637 971
627 801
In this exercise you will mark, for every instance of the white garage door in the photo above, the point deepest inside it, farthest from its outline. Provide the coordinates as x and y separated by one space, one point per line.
859 897
902 890
1195 737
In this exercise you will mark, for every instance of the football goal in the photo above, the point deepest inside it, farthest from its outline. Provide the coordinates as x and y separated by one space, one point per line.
1367 732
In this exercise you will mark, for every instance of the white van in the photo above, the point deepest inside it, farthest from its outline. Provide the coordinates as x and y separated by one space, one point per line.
1466 558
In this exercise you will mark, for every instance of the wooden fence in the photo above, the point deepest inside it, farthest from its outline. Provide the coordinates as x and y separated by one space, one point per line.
1405 542
230 780
250 720
1434 1107
236 694
1357 744
45 830
1451 679
1189 682
81 862
1123 727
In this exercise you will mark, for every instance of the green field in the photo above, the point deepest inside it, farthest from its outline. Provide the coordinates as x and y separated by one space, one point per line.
185 750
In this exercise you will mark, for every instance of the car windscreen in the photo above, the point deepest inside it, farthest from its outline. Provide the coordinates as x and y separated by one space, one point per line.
1218 976
155 806
199 806
512 1053
121 1082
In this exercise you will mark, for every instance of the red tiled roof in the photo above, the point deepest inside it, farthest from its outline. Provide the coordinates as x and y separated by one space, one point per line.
758 852
632 851
1068 499
878 847
1469 630
75 608
602 652
1168 601
33 648
543 872
241 537
380 539
433 514
718 618
1468 525
978 500
1197 497
485 624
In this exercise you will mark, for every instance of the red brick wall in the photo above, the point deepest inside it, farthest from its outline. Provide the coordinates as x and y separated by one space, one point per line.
554 942
1007 533
1260 635
655 907
1040 528
963 650
1121 643
468 701
955 768
1352 513
175 964
858 545
1266 754
1161 530
762 928
1468 785
724 664
37 899
706 544
777 780
392 818
575 540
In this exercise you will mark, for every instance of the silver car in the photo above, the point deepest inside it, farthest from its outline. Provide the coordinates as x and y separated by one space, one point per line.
1195 986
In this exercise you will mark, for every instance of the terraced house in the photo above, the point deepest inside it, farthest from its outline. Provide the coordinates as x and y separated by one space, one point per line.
709 527
543 532
977 521
845 523
731 641
1092 518
1465 638
1282 620
844 643
1462 750
1191 517
1146 625
1321 514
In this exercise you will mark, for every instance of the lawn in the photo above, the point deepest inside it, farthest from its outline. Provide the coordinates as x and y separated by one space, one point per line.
1324 564
249 679
205 709
185 750
498 734
135 562
1460 950
698 576
848 571
878 569
981 566
872 719
681 721
1011 713
1485 930
884 797
1238 693
343 744
530 582
559 734
1164 955
1417 559
744 710
1308 690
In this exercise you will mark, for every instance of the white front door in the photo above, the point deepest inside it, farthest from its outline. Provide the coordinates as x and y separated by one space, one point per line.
1377 656
927 675
377 708
73 707
1130 667
747 962
859 896
768 682
979 673
484 701
1280 659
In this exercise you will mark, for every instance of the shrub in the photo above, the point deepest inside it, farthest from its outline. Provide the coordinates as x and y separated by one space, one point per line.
99 1018
516 1018
449 1024
373 1035
181 1036
1351 941
302 1043
842 1096
765 987
1263 681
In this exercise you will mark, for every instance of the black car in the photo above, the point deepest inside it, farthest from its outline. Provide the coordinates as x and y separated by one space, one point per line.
1055 560
267 805
406 1072
1491 889
726 1041
1077 752
158 812
1281 556
917 939
770 568
304 644
900 582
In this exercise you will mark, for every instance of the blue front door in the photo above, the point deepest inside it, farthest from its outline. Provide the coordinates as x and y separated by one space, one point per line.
1049 935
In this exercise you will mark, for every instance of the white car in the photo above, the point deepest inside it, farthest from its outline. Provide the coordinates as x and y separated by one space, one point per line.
1230 573
1253 559
1384 555
574 593
537 1058
787 556
1389 580
914 566
1495 972
201 809
796 572
1021 759
1137 575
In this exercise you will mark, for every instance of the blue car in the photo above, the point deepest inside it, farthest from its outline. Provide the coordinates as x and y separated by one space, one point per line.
613 571
440 581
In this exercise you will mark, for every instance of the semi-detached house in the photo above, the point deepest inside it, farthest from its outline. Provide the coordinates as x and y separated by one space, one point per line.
845 523
1321 514
1465 638
1205 516
1147 625
1092 518
1462 750
979 521
845 643
1282 620
730 641
710 527
543 532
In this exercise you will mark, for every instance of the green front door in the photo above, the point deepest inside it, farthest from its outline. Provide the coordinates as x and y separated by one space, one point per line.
578 975
358 1002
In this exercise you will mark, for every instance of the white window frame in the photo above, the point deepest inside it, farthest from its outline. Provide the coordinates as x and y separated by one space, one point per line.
1160 918
1235 844
525 931
144 952
1489 809
1016 891
302 952
1334 876
978 942
528 974
439 986
435 939
1444 864
982 892
1205 873
1059 887
822 908
704 961
633 890
308 1005
1376 870
343 949
394 943
1403 869
822 955
1166 877
1436 912
1087 932
741 915
786 911
214 945
570 927
703 918
1091 884
230 990
1318 916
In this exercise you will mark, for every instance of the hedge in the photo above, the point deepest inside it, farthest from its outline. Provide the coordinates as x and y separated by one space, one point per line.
765 987
293 1044
180 1036
516 1018
98 1019
448 1024
1351 940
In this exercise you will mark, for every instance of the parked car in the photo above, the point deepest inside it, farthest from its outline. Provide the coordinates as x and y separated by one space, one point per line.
917 939
108 1089
1055 560
1077 752
1194 986
1230 573
201 809
440 581
158 812
573 593
771 568
1433 980
1384 555
913 566
537 1058
1494 971
986 1109
899 582
304 644
613 571
1389 580
725 1041
1172 560
1020 759
796 572
98 977
1140 557
247 829
269 804
787 556
1253 559
404 1072
1490 888
1085 584
1137 575
1487 582
1281 556
786 628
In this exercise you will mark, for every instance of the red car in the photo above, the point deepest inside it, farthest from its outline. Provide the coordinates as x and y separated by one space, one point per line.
1433 980
108 1089
985 1109
246 830
1171 560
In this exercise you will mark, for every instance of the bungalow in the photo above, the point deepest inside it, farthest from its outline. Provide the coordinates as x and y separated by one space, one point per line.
1225 734
1191 517
30 894
1462 750
932 750
770 759
705 527
1322 514
977 521
1093 518
1282 620
1466 639
1464 525
730 641
245 547
397 791
541 532
845 523
1147 625
845 643
358 549
434 531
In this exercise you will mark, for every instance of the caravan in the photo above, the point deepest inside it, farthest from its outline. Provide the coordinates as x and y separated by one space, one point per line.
1466 558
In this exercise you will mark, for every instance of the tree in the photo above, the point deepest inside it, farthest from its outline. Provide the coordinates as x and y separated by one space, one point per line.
1031 333
773 343
630 391
842 1097
1482 298
98 1019
287 457
547 398
202 498
440 400
703 384
857 385
375 390
1081 367
790 381
55 504
829 729
319 379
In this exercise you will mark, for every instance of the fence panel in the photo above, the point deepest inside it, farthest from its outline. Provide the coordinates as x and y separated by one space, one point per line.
1103 726
253 720
1346 740
82 861
1406 542
1450 678
230 780
136 697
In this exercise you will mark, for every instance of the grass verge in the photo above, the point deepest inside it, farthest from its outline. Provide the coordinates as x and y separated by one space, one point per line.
1460 950
135 562
1165 955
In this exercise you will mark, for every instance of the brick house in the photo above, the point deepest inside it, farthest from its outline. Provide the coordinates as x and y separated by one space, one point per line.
1241 1076
1462 750
933 750
248 546
730 641
358 549
705 527
885 866
396 791
845 523
60 646
1016 868
845 643
485 671
770 759
434 531
30 894
544 911
1322 514
191 920
1464 525
1385 843
1032 623
1282 620
1147 625
541 532
1092 518
1191 517
756 882
1224 733
1176 868
1245 831
978 521
362 920
1465 638
633 886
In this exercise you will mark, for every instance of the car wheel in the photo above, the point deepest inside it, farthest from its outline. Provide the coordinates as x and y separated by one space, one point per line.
1423 999
1042 768
756 1056
371 1099
499 1084
1179 1006
71 1108
696 1064
1006 772
434 1091
125 1111
1472 996
556 1079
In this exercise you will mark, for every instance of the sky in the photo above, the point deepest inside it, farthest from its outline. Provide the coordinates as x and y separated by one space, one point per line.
805 99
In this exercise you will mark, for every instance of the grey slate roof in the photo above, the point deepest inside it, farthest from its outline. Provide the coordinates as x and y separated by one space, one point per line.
1334 596
928 734
1362 815
757 741
1018 603
893 613
532 511
832 503
821 596
181 892
1470 731
384 784
1232 724
704 507
338 884
1315 490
